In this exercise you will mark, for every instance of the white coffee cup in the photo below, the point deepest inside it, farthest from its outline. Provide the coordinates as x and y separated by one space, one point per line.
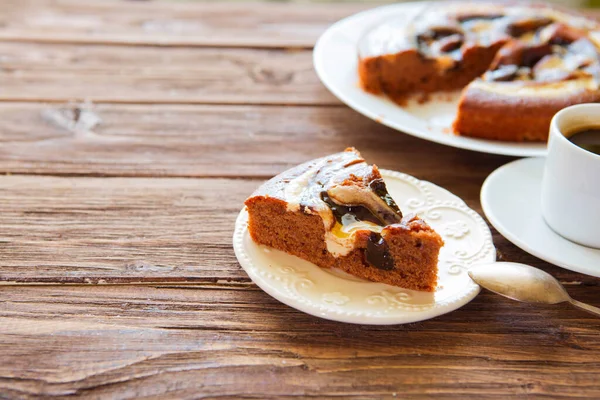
571 183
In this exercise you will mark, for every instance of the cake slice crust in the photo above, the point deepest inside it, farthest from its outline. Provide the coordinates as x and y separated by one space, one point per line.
301 212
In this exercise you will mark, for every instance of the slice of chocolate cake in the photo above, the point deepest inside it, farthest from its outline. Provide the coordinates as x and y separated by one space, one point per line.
336 212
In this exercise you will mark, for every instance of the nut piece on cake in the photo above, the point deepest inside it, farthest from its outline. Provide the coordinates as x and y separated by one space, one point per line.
336 212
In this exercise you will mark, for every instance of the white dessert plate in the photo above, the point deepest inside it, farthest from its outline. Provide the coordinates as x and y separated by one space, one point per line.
335 59
510 198
337 296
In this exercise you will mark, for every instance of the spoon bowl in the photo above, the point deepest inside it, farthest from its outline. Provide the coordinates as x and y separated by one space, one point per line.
524 283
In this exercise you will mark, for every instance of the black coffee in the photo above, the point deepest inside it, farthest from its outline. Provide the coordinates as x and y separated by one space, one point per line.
588 139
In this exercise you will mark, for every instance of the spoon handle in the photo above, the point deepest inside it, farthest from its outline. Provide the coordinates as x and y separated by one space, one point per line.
586 307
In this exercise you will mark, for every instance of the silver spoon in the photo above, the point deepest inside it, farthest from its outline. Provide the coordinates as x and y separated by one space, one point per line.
524 283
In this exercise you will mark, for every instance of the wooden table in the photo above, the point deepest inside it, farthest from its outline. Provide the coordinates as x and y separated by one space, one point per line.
130 134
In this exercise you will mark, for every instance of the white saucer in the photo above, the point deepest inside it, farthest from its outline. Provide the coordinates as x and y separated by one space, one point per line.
341 297
510 198
335 58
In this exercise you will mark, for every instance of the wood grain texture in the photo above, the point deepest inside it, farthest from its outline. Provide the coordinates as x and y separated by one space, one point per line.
168 23
126 74
214 141
119 230
143 191
135 230
223 341
217 337
172 23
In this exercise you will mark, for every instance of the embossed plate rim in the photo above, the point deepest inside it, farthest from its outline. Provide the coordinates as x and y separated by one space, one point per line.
397 306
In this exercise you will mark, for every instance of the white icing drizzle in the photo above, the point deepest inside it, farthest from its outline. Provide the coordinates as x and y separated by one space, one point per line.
340 240
303 194
397 33
299 191
549 90
295 189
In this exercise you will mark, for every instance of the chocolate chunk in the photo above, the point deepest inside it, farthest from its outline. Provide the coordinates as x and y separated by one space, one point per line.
361 213
438 32
521 55
449 43
523 26
510 54
380 189
378 253
532 55
561 34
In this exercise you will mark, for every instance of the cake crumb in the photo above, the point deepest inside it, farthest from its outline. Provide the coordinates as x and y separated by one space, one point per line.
423 98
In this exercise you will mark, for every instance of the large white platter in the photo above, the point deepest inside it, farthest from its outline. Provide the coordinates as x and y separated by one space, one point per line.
341 297
335 60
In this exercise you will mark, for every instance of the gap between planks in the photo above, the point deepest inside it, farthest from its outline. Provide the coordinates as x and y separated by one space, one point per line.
167 23
93 175
194 284
170 24
117 74
174 44
163 102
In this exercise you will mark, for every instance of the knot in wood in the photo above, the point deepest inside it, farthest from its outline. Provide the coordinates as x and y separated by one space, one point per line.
270 76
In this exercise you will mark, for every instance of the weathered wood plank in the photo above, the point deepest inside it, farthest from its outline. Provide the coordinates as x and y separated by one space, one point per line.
167 23
223 337
135 342
124 74
170 23
84 230
216 141
85 235
120 230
